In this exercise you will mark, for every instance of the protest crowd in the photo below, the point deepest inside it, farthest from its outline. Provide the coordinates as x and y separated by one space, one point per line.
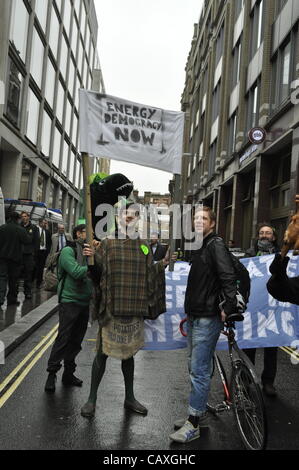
125 284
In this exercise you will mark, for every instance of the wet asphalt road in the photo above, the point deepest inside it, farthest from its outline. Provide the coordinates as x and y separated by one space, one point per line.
32 419
13 313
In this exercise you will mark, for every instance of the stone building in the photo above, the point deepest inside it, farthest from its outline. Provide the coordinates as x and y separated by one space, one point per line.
242 72
48 51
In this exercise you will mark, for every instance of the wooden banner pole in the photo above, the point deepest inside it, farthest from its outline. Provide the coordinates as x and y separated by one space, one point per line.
87 204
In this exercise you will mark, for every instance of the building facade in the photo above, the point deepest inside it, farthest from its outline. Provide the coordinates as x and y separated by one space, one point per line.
242 72
48 51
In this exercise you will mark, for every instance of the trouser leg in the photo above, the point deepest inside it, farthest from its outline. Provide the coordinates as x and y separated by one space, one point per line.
28 266
203 334
251 354
40 264
14 271
3 280
76 337
68 314
270 365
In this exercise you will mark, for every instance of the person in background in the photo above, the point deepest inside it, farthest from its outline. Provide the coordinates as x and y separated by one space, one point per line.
43 251
74 292
158 250
59 239
29 253
231 244
265 244
13 238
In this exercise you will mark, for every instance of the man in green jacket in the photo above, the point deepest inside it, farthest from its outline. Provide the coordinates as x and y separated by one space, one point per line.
74 292
12 240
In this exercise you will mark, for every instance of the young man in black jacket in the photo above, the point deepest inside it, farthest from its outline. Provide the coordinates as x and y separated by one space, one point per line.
12 240
211 274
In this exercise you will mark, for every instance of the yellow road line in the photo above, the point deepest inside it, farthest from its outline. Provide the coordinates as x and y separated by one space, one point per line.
15 385
290 352
26 359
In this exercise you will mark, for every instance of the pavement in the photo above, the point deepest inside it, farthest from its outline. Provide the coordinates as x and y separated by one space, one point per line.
19 322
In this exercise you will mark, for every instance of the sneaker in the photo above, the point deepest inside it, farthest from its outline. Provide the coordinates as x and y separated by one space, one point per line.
203 422
269 390
187 433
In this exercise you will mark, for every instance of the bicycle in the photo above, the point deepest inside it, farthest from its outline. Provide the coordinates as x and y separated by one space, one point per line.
242 394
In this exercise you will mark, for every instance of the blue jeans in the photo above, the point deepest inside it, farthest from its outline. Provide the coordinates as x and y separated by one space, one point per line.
203 334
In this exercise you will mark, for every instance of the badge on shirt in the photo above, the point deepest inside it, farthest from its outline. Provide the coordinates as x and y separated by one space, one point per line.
144 249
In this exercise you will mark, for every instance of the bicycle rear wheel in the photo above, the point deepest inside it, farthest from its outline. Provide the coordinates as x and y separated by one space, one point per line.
249 408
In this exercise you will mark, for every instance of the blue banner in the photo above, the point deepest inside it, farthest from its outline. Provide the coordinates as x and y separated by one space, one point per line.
267 322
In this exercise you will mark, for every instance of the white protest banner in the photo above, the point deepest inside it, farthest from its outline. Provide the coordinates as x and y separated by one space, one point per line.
119 129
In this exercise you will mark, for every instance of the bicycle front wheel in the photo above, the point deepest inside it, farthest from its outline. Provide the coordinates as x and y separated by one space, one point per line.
249 408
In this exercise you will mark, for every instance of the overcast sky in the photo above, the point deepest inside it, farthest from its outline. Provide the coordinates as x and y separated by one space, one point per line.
143 47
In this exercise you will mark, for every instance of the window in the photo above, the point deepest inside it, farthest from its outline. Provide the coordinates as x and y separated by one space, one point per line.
63 57
219 45
236 65
32 117
46 134
74 38
285 72
19 27
239 4
60 102
37 56
282 68
15 86
71 80
50 83
54 33
65 154
68 115
77 178
56 148
67 17
216 102
80 57
279 5
232 126
253 107
257 27
41 187
83 20
212 159
72 166
41 10
26 181
280 186
75 130
77 8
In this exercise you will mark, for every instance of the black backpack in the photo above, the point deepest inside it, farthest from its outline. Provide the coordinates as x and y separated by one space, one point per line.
242 275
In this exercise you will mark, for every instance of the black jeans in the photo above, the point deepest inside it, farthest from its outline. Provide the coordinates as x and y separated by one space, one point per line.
28 268
270 363
9 274
73 321
40 264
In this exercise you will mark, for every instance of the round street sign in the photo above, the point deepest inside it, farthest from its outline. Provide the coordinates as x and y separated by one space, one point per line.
257 135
